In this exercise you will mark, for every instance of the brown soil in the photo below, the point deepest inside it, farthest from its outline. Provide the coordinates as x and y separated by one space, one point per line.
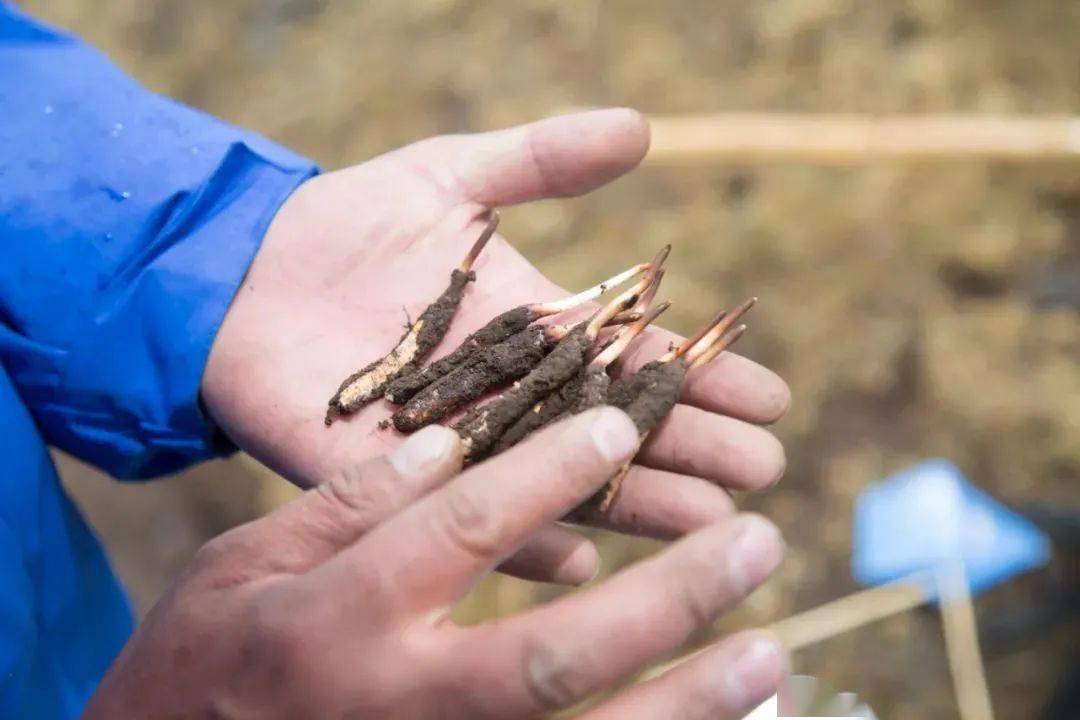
658 394
624 390
594 388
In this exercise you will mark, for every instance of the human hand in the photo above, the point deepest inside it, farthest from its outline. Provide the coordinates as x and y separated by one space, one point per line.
336 605
351 248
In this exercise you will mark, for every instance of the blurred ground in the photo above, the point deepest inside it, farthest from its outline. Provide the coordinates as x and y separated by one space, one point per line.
911 309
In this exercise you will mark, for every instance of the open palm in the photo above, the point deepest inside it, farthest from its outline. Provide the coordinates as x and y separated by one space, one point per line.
353 251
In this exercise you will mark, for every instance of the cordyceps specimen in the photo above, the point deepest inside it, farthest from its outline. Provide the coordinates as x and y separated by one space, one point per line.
589 387
483 427
498 329
416 344
491 366
648 395
499 364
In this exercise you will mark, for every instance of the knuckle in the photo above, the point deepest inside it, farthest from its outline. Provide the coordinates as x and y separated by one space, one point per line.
216 551
553 678
699 589
700 702
539 163
697 605
228 560
472 524
355 498
209 555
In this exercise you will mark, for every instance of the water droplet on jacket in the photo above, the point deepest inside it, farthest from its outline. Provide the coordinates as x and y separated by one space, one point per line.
108 237
117 129
195 150
48 110
114 194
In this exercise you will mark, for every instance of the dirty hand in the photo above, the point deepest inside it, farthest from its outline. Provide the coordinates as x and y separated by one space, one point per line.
351 248
336 604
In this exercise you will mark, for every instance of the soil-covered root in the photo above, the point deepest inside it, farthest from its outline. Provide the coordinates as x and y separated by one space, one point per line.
500 328
595 380
648 395
498 364
416 344
543 413
657 396
588 387
661 383
625 389
482 430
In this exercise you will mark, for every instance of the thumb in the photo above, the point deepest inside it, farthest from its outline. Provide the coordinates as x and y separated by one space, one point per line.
556 157
324 520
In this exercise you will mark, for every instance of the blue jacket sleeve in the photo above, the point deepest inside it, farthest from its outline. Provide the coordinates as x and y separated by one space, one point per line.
127 222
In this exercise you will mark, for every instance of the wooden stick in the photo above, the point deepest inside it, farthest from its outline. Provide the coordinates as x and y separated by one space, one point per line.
838 616
962 644
847 613
841 139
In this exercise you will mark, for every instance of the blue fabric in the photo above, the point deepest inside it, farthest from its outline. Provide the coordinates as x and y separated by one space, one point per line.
127 222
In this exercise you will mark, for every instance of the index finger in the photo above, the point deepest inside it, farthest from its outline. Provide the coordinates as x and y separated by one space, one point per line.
428 556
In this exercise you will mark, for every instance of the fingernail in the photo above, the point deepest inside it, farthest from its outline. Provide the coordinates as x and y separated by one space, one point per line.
755 552
756 673
424 449
613 434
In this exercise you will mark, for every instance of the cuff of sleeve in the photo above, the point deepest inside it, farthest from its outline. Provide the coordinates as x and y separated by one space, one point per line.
148 343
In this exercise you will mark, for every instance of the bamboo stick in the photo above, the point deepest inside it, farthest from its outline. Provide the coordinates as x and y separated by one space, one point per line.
843 139
867 606
837 617
848 613
962 644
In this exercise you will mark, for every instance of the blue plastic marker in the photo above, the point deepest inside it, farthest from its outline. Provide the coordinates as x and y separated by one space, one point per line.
930 515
